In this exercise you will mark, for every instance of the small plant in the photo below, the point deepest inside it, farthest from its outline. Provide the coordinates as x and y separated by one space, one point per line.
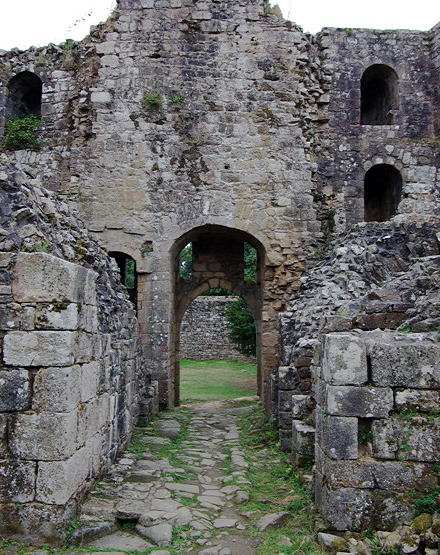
428 502
177 99
45 246
128 525
152 101
21 133
68 44
227 166
73 525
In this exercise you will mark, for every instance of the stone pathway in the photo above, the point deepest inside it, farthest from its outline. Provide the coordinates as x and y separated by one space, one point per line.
180 496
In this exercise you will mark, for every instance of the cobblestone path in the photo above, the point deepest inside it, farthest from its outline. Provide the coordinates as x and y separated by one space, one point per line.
178 495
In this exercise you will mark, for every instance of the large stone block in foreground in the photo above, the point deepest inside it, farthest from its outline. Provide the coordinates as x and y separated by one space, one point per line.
44 436
41 277
39 348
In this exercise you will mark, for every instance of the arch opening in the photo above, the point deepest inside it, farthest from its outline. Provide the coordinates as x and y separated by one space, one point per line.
379 95
127 268
382 193
218 263
24 95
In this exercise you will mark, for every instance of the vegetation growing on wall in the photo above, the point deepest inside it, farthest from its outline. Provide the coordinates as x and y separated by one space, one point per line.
21 133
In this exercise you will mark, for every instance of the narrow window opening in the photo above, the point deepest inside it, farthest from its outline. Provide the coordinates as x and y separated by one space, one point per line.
382 193
24 95
127 268
379 95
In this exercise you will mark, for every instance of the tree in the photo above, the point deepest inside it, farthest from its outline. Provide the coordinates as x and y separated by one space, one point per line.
241 325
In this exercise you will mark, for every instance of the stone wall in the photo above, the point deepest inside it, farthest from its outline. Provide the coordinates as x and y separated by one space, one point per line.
378 427
221 123
72 376
379 275
204 331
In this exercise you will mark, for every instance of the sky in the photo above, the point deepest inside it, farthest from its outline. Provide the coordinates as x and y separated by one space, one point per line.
24 23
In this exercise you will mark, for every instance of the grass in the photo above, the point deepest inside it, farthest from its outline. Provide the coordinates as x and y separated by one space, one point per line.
216 380
276 488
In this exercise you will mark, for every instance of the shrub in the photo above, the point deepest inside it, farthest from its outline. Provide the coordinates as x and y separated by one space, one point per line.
21 133
241 327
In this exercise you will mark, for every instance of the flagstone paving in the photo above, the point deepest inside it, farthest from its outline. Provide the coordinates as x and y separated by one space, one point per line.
180 496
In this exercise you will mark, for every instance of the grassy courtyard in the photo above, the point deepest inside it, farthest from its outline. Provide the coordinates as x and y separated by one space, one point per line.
216 380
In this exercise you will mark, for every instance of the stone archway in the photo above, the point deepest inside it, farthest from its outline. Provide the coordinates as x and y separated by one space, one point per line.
218 261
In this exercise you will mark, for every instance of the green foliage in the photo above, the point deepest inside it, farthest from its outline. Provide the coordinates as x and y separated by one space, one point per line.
185 262
67 45
428 501
241 325
130 272
128 525
217 292
250 263
73 525
177 99
21 133
45 246
152 101
137 446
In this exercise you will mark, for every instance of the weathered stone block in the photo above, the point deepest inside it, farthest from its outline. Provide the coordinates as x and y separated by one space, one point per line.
42 277
300 406
367 402
57 317
58 481
17 481
286 377
345 508
44 437
56 389
15 390
88 318
338 436
286 440
284 419
412 364
36 523
101 97
39 348
88 347
285 400
344 360
418 400
412 439
303 438
89 381
371 474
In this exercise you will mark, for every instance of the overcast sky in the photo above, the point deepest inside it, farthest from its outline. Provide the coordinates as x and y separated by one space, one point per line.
37 22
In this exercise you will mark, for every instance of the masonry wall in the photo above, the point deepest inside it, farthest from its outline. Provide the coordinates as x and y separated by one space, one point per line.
72 377
204 331
377 426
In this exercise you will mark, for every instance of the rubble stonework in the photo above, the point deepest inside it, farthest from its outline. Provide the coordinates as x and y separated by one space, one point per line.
216 123
204 331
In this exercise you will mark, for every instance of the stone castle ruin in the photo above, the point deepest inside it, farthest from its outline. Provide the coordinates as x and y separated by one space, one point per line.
218 123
